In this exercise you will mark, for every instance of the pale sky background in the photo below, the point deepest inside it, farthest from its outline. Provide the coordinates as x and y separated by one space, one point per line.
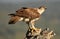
50 18
7 1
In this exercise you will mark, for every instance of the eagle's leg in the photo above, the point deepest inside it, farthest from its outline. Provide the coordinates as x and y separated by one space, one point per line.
32 23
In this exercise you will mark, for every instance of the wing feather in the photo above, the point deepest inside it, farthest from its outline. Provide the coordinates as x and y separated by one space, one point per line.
28 13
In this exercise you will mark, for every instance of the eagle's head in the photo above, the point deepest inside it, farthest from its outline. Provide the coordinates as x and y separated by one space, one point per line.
41 9
44 7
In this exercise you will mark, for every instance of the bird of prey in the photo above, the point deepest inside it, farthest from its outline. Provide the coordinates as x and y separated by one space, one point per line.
27 14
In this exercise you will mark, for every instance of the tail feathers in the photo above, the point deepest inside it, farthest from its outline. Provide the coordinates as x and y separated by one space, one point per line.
12 14
24 7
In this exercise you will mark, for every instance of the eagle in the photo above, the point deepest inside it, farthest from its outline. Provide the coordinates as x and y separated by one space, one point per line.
27 14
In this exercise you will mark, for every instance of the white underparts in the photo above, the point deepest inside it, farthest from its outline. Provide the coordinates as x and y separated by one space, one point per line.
40 11
25 19
35 19
21 19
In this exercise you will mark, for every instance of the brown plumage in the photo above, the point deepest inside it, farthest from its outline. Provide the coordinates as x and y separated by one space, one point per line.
29 15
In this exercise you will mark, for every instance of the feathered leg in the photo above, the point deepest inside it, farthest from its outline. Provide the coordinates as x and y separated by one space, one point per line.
32 23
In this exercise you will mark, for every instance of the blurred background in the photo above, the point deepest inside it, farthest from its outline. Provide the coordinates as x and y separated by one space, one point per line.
50 18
